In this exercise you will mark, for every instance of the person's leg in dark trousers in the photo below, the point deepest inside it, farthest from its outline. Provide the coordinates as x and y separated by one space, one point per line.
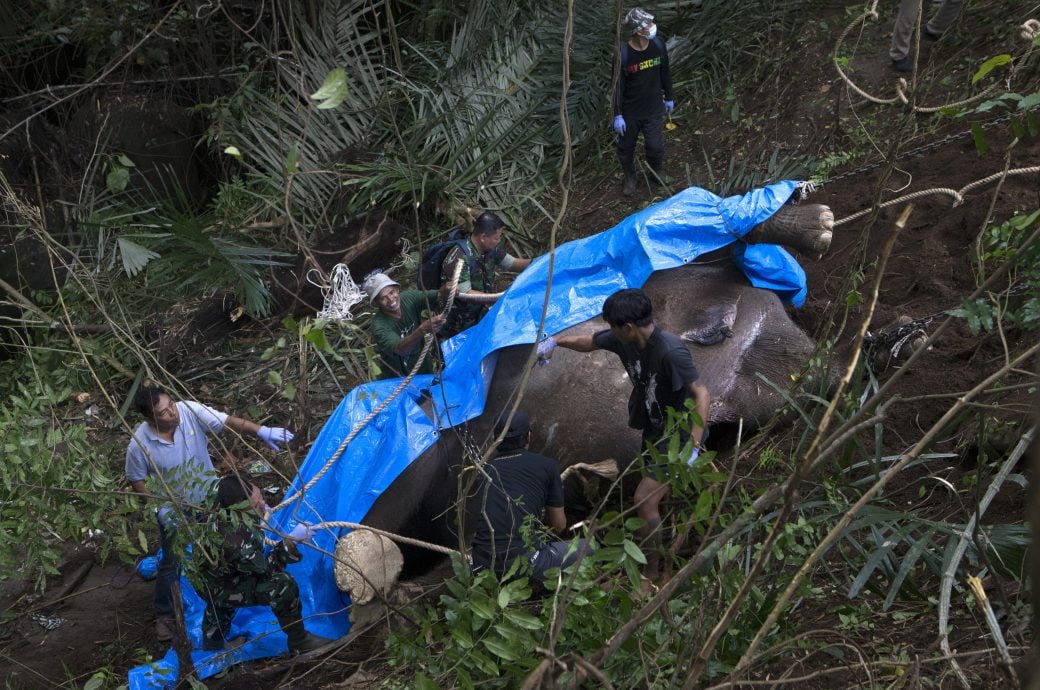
216 621
653 140
282 594
169 571
626 152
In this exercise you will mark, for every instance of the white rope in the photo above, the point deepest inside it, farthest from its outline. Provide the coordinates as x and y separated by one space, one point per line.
399 538
341 293
956 194
1029 30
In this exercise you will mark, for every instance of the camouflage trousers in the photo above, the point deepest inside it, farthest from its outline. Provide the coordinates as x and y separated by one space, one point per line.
278 590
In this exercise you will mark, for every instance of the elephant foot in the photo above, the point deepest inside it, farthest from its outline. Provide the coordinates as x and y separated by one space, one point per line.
806 228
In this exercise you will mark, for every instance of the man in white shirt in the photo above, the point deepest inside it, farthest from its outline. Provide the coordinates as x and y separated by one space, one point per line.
171 445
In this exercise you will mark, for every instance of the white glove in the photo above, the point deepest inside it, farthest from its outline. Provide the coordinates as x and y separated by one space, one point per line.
693 456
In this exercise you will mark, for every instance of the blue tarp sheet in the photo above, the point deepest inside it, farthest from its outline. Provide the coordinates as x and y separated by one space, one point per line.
668 234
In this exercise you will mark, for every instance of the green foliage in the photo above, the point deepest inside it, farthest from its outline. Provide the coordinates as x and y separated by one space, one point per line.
118 173
333 90
1018 304
488 634
745 173
484 633
163 242
990 65
832 161
1021 108
101 31
468 109
57 483
337 341
894 550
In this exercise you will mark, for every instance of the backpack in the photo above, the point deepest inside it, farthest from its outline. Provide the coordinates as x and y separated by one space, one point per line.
429 277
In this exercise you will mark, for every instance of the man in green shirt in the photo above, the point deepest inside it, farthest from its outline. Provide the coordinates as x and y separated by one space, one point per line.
398 327
480 263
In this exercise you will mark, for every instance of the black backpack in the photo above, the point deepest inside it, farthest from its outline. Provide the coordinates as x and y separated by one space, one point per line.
429 277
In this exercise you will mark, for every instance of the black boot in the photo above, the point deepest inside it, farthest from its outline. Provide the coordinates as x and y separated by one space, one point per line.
308 643
629 188
301 641
659 176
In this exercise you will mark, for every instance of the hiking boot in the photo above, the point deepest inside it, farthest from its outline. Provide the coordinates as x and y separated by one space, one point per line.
629 188
903 65
164 629
309 643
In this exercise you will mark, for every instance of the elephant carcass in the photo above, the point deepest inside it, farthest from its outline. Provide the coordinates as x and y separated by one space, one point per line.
420 503
578 403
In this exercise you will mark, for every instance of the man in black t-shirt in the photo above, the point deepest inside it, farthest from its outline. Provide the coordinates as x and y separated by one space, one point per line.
516 488
663 377
643 78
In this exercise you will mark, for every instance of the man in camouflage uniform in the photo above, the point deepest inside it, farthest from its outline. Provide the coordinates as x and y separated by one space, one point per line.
480 263
242 575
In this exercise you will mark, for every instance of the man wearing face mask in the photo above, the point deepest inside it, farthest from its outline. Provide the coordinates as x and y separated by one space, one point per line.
643 79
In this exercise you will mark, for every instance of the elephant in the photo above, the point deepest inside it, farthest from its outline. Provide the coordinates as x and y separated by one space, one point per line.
578 402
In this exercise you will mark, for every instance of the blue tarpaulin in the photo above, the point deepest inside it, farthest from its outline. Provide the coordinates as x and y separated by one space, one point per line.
585 272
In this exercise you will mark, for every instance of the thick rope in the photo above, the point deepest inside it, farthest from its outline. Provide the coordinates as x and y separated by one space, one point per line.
957 194
486 298
339 524
428 341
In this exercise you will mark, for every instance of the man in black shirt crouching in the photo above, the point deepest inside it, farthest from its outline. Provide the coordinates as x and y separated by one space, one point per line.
516 488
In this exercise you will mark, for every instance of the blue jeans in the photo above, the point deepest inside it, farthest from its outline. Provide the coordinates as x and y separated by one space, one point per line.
555 555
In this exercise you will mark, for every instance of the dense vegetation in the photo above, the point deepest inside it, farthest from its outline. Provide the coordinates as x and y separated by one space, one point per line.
297 117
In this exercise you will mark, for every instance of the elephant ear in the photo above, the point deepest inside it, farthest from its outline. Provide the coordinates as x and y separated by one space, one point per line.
712 325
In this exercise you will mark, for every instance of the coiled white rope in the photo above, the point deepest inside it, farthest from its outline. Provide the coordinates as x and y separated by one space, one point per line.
341 293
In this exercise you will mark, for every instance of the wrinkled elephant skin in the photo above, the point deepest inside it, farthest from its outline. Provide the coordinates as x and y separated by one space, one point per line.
578 402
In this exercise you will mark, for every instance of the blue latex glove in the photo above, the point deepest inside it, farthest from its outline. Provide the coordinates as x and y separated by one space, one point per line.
545 349
303 532
669 106
619 124
273 435
693 457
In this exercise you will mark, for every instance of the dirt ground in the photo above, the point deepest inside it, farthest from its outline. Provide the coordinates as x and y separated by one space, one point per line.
105 617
